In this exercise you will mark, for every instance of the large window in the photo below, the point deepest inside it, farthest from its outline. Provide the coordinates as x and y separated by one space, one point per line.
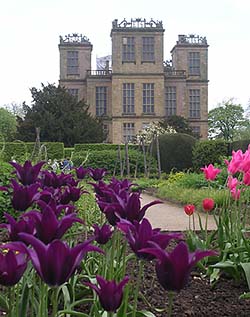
73 92
128 49
196 131
148 49
72 63
194 103
101 101
194 63
170 101
128 132
148 98
128 98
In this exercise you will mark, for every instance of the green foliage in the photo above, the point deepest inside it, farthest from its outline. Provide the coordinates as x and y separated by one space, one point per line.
207 152
21 151
61 118
239 145
101 147
109 160
8 125
5 176
225 120
175 151
68 152
179 123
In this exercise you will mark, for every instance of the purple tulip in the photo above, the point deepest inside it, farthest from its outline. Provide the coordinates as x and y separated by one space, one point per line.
71 194
102 234
81 172
56 262
51 179
110 293
27 174
173 269
12 267
15 227
97 173
48 227
125 206
24 196
140 235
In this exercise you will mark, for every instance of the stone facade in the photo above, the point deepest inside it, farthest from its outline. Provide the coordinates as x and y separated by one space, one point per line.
141 87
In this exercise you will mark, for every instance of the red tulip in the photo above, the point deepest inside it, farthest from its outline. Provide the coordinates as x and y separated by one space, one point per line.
208 204
189 209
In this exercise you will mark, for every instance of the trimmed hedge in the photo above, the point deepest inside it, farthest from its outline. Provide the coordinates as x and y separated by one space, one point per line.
207 152
109 160
101 147
22 151
175 151
68 152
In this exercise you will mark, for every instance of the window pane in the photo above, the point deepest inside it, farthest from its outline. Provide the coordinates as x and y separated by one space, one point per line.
128 49
148 98
148 49
170 95
128 98
128 132
72 63
194 63
101 101
194 103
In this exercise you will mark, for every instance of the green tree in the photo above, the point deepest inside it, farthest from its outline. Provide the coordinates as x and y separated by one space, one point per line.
60 117
226 120
8 125
178 123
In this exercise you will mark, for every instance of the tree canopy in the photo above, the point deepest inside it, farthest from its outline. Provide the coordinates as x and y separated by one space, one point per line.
60 117
226 120
178 123
8 125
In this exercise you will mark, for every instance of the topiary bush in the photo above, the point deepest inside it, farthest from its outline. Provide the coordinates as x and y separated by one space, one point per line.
207 152
175 151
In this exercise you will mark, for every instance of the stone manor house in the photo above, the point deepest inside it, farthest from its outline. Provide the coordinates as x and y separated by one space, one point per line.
139 87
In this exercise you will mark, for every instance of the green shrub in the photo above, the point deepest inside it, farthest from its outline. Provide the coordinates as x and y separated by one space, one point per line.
239 145
175 151
109 160
5 203
68 152
207 152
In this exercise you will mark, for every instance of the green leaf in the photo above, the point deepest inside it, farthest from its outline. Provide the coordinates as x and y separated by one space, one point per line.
71 313
4 303
245 296
24 301
246 268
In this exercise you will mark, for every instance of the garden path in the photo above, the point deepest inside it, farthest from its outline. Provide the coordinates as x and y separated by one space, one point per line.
169 216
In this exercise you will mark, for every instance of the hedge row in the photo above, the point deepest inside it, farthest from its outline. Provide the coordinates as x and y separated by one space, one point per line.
109 160
21 151
101 147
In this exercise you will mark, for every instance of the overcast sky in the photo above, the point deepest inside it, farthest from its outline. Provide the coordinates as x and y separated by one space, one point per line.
30 32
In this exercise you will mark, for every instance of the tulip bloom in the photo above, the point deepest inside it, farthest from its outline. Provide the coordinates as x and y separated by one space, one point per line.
24 196
173 269
51 179
102 234
110 293
15 227
27 174
97 173
48 227
210 172
12 267
208 204
81 172
56 262
139 236
189 209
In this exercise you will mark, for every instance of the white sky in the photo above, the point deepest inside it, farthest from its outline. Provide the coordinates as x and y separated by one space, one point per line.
30 32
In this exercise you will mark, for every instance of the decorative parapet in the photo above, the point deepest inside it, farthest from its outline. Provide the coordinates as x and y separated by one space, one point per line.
137 24
99 73
191 39
74 38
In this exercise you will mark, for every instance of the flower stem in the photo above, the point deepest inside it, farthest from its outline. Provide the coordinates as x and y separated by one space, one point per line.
170 303
54 302
138 281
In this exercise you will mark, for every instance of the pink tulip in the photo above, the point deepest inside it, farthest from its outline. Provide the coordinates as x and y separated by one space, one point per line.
189 209
246 178
232 182
208 204
235 193
210 172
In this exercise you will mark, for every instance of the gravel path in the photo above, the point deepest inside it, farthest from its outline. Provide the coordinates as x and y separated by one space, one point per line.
171 217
